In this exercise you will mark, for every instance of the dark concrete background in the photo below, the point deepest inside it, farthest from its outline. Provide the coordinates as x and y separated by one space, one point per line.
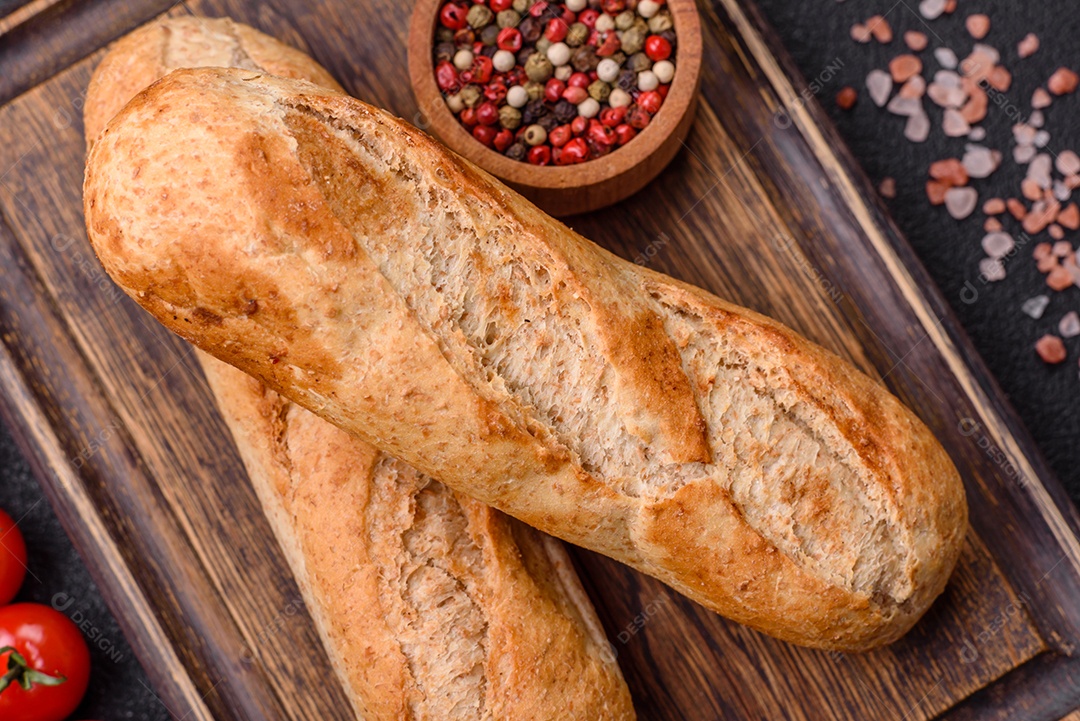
816 32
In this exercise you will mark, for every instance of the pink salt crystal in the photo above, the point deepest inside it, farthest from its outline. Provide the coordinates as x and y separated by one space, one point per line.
1028 46
946 58
906 107
961 202
992 269
1050 349
917 129
931 9
1069 326
1062 248
879 83
998 245
1023 154
954 124
1068 163
979 161
1040 170
1040 99
977 133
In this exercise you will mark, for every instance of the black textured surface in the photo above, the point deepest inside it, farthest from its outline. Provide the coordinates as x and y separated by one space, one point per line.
817 33
118 687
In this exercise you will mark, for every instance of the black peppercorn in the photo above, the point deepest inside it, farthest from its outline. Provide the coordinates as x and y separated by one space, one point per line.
489 51
489 35
565 111
530 29
548 122
517 151
669 35
584 60
627 79
445 51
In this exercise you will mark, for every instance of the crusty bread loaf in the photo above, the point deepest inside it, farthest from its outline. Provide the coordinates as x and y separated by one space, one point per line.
367 273
431 605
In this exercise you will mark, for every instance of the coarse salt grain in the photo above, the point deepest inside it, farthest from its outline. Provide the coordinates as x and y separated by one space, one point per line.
992 269
1068 162
946 58
998 245
879 84
1035 307
917 128
1051 349
932 9
1069 325
915 40
1028 46
977 25
961 202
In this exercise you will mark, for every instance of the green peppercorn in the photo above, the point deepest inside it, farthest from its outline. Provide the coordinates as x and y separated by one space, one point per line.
577 35
599 90
660 22
522 6
633 40
625 20
509 117
489 35
444 35
638 62
479 16
534 90
508 19
542 45
538 68
619 57
471 96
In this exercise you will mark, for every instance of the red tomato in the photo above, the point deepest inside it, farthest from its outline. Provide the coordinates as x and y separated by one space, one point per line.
12 559
47 664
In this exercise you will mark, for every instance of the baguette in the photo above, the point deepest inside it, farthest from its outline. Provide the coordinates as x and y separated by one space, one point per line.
362 270
431 605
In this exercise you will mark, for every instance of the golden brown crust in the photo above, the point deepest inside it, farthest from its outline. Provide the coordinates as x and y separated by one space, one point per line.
406 296
346 515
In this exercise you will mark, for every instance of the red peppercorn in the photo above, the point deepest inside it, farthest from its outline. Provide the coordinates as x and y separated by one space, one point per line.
657 48
556 30
638 117
650 101
497 6
663 90
464 36
575 94
446 76
594 38
487 113
578 125
560 135
611 45
503 139
452 16
613 7
578 80
539 155
624 134
495 91
484 133
588 17
468 117
575 151
509 39
601 134
611 117
554 90
538 9
482 69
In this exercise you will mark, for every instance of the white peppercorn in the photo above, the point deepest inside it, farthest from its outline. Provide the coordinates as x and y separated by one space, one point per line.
503 60
463 59
647 80
664 71
619 98
516 96
604 23
535 134
588 108
559 54
648 8
607 70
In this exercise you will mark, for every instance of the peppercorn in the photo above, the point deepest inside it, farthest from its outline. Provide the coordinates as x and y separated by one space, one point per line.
471 96
619 98
508 19
638 117
538 67
540 155
599 90
523 56
575 151
565 111
638 62
577 35
619 58
534 110
650 101
487 113
464 37
452 16
484 133
531 28
604 23
627 79
479 16
444 52
468 117
647 80
612 117
578 125
509 117
624 134
671 38
625 20
584 59
660 22
534 135
521 6
443 34
633 40
490 35
559 136
588 108
535 90
556 30
446 76
548 122
495 92
517 151
553 90
575 94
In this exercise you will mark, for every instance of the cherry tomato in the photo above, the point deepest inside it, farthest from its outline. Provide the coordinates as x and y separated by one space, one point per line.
46 664
12 559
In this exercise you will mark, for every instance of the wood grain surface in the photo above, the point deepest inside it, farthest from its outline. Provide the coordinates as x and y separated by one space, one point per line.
763 206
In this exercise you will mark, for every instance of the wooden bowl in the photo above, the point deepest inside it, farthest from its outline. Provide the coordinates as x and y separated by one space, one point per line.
570 189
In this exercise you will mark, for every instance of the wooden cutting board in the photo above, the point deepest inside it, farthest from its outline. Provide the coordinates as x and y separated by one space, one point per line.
763 206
